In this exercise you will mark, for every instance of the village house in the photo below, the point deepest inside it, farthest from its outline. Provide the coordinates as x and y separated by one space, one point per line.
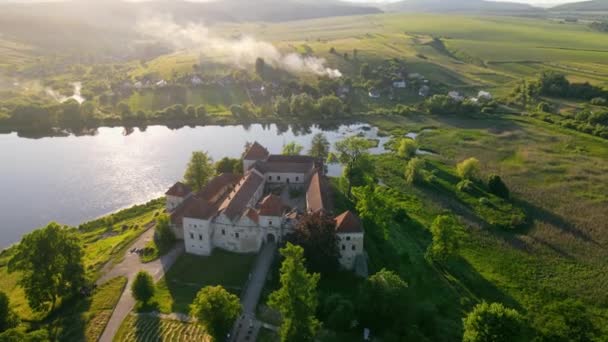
400 84
424 91
456 96
241 213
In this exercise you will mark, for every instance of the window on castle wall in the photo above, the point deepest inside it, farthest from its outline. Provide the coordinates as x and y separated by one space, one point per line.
348 238
270 223
354 248
200 237
236 235
192 236
297 179
270 178
223 232
278 177
343 247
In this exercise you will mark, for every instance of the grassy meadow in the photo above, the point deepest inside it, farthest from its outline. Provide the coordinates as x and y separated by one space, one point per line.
557 177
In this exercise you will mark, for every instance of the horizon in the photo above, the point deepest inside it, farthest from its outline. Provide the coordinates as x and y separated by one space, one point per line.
540 3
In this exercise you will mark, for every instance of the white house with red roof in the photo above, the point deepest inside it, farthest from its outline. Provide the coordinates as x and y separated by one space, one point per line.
241 213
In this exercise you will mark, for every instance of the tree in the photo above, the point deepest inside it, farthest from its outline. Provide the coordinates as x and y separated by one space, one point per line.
382 300
493 323
316 233
319 146
216 309
407 148
365 71
199 171
8 319
414 171
163 235
296 299
303 105
497 186
282 106
566 321
339 312
446 238
260 66
143 287
469 169
292 149
50 262
330 105
201 112
350 152
229 165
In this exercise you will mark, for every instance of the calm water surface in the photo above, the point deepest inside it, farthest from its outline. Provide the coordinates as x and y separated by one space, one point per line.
74 179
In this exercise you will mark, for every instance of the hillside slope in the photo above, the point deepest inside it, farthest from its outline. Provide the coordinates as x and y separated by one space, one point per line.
584 6
469 6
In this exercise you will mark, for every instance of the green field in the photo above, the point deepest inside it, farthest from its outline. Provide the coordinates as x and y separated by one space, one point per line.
176 291
142 328
102 243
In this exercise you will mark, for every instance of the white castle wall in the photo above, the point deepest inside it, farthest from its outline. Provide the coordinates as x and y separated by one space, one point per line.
350 245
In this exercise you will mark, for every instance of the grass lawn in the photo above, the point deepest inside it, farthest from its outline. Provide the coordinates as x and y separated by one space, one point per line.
144 328
86 319
176 291
558 178
103 242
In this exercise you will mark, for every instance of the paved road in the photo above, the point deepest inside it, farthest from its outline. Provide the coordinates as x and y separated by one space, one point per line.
247 327
129 267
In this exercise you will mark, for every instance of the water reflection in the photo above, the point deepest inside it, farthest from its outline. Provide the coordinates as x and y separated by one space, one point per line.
71 178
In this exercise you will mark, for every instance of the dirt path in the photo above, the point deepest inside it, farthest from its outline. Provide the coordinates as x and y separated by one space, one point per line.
129 267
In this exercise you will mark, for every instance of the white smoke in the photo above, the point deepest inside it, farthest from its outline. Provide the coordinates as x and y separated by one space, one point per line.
77 96
241 52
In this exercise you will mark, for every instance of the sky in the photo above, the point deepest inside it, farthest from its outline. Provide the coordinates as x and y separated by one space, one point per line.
532 2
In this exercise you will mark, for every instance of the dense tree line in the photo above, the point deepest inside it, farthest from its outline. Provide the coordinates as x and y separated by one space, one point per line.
551 83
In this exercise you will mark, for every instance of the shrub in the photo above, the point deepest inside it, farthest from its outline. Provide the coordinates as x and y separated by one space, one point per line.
497 186
493 322
544 107
469 169
143 287
465 185
414 171
407 148
339 312
599 101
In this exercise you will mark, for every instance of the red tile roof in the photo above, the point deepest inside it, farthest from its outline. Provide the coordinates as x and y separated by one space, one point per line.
272 205
201 209
291 159
314 197
348 222
256 152
253 215
317 194
236 202
179 189
217 184
283 167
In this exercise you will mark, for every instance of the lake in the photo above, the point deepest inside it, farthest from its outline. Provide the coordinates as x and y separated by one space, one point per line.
74 179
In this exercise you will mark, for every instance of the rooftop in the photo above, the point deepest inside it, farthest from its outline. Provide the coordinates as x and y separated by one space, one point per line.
179 189
272 205
256 152
348 222
317 194
217 184
236 202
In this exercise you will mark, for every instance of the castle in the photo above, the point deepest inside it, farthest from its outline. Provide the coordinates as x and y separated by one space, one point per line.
241 213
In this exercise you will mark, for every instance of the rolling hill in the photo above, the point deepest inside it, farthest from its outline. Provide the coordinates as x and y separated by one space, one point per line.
461 6
584 6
